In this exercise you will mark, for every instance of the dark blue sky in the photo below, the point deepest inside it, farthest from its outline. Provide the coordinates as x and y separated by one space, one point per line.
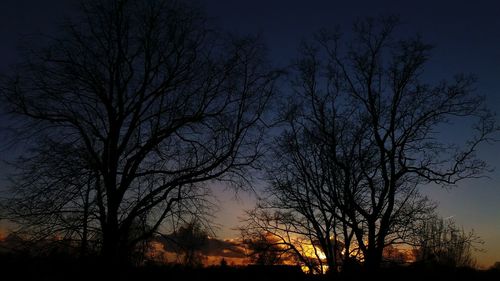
467 39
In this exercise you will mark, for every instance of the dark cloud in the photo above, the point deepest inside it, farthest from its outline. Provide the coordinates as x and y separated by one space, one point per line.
214 247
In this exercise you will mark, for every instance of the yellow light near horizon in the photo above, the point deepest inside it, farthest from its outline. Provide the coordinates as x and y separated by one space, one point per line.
320 254
305 269
311 251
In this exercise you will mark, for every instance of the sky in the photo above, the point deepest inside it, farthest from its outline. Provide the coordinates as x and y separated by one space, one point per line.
467 39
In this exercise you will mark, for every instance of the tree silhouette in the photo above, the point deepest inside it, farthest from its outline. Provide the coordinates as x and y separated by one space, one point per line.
150 103
402 115
190 239
290 235
363 131
264 249
441 242
495 266
53 197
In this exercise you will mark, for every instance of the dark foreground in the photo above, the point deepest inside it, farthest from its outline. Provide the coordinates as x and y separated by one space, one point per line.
15 268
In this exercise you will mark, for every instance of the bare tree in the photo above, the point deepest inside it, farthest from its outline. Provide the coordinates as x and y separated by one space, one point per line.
264 248
442 242
495 266
190 239
404 115
153 102
363 132
53 199
292 234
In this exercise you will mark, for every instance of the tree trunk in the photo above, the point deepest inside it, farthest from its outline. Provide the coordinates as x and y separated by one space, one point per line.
373 253
113 249
85 221
373 259
110 245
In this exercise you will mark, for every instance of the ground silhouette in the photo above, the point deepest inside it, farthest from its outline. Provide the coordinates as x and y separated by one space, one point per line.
64 267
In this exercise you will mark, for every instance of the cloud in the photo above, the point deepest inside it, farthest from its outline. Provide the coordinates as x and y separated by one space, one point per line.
213 247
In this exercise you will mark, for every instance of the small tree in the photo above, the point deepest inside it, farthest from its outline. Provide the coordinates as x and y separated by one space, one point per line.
190 239
290 235
442 242
264 249
496 266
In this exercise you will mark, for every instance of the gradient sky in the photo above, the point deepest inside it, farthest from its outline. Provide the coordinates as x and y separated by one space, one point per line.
467 39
